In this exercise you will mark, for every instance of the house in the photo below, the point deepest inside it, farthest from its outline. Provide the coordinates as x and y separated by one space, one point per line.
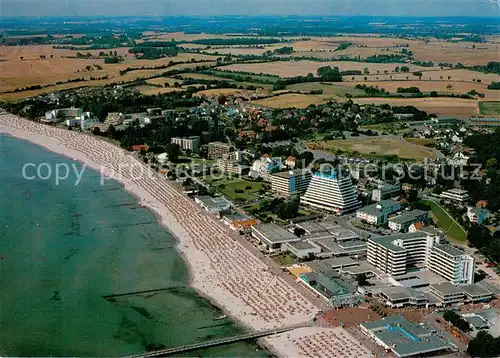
404 221
377 214
457 195
477 215
291 162
459 159
139 147
265 166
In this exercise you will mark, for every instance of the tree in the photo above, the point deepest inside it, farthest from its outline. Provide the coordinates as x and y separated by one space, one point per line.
361 279
96 131
365 71
299 231
491 163
396 69
484 345
433 94
173 150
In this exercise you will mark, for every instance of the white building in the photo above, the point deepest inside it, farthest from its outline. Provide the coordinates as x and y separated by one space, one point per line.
385 191
453 264
230 163
273 236
192 143
404 221
332 193
213 205
458 195
377 214
290 182
393 254
459 159
264 166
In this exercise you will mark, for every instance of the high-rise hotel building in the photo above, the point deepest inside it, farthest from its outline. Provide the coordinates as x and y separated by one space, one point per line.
331 192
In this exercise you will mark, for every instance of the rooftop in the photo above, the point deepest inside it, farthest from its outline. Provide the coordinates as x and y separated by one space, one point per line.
449 249
387 241
302 245
408 216
291 173
400 293
274 233
475 290
447 288
404 337
312 227
213 201
456 191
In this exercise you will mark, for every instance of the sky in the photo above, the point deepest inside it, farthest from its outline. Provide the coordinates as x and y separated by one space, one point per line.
249 7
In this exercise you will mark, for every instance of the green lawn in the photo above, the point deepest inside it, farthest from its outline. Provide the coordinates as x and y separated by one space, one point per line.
445 222
489 108
234 183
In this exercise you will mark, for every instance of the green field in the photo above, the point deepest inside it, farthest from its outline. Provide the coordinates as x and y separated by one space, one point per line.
445 222
489 108
233 183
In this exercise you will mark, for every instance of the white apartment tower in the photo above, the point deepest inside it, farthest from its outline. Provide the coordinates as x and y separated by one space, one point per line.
331 192
394 253
453 264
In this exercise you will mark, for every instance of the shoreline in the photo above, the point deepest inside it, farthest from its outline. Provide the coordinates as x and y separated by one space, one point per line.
221 269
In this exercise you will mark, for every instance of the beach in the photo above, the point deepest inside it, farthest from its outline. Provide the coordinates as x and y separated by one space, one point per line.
221 268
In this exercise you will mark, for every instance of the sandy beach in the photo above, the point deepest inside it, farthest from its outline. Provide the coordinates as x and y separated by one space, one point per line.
222 269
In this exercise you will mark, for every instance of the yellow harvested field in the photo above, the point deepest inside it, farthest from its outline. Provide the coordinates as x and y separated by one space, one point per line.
293 100
428 86
378 146
34 52
222 91
114 77
162 80
440 106
303 67
152 90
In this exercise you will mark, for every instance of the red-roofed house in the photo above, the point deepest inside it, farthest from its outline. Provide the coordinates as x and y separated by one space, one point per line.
139 147
481 204
291 162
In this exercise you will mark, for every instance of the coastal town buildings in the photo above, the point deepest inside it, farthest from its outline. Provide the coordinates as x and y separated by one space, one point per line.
213 205
405 338
217 149
230 163
273 236
290 182
331 192
265 166
404 221
485 121
455 195
477 215
385 191
393 254
377 214
192 143
451 263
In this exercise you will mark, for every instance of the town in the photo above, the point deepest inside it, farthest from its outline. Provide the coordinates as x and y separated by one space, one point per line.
402 252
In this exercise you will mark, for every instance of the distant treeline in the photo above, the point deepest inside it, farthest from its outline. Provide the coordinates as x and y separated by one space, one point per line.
237 41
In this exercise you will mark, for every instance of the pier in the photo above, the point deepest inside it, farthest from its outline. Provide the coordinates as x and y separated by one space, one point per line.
215 342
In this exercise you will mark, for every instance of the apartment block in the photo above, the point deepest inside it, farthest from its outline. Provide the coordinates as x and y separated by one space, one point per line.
377 214
290 182
192 143
217 149
451 263
331 192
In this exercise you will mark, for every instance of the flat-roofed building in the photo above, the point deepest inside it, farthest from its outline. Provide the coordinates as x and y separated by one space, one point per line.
402 296
385 191
217 149
485 121
213 205
457 195
404 338
447 293
377 214
476 293
239 221
451 263
273 236
394 253
192 143
302 249
290 182
404 221
331 192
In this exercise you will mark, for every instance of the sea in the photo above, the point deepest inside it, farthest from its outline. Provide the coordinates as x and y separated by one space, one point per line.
86 271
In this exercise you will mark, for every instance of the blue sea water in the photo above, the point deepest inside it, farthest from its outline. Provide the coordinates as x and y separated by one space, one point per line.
65 248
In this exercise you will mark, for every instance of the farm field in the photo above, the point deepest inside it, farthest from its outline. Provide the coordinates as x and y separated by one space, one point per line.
293 100
421 141
445 221
222 91
303 67
369 146
489 108
428 86
330 89
439 106
111 70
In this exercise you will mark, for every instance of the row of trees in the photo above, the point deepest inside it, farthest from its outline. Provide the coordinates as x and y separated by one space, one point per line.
456 320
